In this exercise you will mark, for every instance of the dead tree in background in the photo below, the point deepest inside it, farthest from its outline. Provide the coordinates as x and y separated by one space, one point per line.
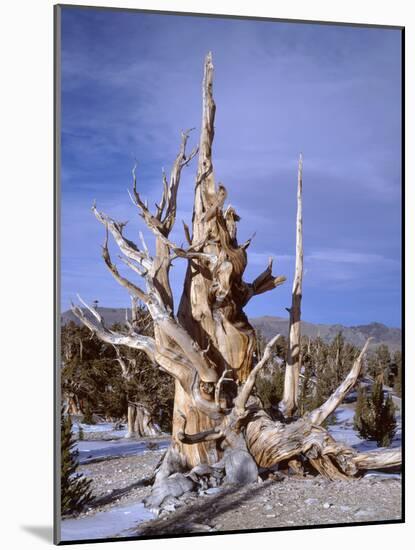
292 374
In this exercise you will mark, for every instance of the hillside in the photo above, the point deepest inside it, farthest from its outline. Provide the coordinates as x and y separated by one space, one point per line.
270 326
110 315
356 335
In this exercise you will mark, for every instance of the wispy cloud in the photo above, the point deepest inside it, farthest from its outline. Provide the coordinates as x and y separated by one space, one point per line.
131 82
351 257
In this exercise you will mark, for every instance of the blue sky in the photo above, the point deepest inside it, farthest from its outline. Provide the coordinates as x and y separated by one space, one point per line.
132 81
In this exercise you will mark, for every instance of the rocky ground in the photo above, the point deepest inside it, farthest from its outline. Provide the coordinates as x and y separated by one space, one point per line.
119 481
286 503
283 501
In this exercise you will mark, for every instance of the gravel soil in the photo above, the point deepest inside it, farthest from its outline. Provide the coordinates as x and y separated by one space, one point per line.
287 503
120 481
281 502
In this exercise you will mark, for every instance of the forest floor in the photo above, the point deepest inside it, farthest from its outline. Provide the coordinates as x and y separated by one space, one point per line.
121 471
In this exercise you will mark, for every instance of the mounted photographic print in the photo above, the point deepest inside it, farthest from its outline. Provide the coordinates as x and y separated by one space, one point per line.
228 274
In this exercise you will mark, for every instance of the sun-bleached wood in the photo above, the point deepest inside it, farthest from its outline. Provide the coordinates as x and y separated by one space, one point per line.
289 401
208 347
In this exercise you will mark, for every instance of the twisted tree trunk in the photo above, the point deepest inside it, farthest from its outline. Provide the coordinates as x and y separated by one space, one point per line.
219 430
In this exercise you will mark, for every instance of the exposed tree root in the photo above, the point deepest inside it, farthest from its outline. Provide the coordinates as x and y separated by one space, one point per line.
271 443
266 445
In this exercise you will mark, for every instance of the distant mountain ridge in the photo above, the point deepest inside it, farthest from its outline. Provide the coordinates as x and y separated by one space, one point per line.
356 335
270 326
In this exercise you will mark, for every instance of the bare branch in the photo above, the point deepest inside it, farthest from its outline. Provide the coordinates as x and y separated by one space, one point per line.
165 215
91 309
247 243
161 315
265 281
174 362
163 196
191 439
126 371
191 253
187 233
131 287
142 206
219 386
96 325
137 268
373 460
127 247
171 199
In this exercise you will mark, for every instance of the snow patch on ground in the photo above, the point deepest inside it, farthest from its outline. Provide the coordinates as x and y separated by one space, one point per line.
99 427
117 522
92 450
371 474
344 432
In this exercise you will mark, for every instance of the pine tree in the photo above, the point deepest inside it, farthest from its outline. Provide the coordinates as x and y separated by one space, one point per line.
306 395
362 415
270 382
91 374
270 388
387 421
375 416
75 488
380 363
384 361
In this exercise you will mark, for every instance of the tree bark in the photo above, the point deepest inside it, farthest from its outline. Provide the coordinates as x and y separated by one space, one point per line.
210 309
130 421
140 422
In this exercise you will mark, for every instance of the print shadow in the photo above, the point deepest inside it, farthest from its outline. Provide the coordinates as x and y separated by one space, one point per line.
43 532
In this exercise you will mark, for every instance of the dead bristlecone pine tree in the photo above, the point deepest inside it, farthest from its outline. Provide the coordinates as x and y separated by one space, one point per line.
220 432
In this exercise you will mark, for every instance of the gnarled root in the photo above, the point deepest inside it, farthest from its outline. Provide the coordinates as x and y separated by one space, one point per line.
264 444
173 478
270 443
169 480
240 467
236 467
174 486
375 460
